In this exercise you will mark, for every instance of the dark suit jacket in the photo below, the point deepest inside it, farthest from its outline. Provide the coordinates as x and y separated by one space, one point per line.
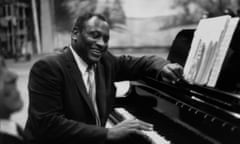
9 139
60 110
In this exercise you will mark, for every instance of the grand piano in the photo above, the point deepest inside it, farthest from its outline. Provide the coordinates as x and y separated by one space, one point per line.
185 113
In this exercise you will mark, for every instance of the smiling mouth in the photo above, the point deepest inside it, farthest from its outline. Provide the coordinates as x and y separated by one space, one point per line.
96 52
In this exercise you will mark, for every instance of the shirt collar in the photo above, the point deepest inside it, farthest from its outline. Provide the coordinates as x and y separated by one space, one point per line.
9 127
80 62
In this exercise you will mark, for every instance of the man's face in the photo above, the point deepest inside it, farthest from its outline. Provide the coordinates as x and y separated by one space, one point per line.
93 40
10 100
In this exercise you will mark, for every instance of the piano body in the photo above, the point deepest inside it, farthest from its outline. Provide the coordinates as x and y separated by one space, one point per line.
184 113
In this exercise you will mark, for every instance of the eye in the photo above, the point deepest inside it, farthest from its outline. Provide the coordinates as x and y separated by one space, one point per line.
106 38
95 34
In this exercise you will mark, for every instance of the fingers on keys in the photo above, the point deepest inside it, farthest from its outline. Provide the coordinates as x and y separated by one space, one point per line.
137 124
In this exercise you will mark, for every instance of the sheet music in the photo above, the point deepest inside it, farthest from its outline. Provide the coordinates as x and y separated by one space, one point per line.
208 49
206 64
221 54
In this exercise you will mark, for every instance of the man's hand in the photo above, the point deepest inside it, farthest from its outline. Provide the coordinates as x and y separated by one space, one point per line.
126 128
172 72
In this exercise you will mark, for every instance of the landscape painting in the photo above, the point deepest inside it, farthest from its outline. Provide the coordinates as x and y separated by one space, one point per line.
139 23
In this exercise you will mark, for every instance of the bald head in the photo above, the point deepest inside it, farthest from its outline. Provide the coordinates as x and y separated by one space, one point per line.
82 19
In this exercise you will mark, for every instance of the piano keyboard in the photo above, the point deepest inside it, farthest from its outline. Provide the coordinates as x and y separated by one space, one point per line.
152 135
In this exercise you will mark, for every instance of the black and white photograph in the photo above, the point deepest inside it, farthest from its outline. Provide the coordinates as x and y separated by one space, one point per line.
120 71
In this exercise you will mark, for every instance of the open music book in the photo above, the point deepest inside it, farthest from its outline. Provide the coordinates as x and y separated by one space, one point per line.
208 50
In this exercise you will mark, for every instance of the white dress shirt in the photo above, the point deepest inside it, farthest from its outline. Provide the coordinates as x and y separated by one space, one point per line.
9 127
82 66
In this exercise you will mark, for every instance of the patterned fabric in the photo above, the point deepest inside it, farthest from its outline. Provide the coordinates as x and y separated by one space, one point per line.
92 92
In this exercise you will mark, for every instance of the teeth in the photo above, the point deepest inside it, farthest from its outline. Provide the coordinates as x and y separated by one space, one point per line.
96 51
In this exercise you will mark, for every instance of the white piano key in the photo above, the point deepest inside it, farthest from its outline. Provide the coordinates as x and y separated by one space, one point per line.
126 115
153 135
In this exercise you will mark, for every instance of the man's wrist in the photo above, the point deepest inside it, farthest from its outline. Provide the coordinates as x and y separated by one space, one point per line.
109 137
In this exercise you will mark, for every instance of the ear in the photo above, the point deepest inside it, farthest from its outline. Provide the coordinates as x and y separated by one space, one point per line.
74 34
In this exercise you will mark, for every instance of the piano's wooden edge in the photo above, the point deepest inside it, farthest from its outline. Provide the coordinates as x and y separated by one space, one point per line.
224 110
224 96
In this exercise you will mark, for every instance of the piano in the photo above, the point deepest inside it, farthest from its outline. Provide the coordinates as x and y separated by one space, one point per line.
184 113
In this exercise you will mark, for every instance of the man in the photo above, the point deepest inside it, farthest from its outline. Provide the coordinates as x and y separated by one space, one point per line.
10 102
63 106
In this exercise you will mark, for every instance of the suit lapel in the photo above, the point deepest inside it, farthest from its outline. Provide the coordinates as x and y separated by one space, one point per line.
100 90
77 77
